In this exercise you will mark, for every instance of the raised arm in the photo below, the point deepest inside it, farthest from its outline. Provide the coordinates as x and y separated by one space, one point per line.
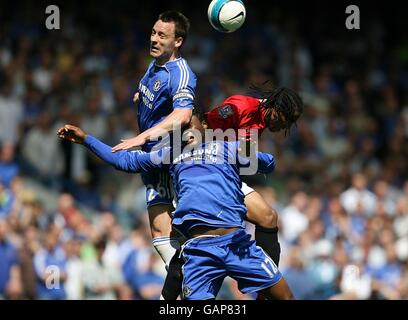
128 161
179 117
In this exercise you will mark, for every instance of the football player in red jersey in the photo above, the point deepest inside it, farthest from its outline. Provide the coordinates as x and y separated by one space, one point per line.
276 110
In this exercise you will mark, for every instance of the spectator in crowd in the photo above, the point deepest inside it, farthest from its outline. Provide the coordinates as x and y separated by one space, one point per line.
7 200
30 245
8 167
11 114
297 276
358 198
293 218
100 281
138 268
74 267
10 271
43 153
50 267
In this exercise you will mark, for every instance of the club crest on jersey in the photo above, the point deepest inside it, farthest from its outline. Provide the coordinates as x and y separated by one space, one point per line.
186 291
156 85
225 111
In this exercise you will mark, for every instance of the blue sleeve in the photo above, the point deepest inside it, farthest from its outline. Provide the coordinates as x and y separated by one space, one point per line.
183 84
266 162
128 161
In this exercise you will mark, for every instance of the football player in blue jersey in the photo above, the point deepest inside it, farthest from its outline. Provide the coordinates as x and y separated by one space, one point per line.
210 211
165 100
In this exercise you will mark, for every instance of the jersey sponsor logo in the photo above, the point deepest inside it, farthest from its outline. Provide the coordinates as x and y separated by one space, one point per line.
210 153
225 111
147 96
146 92
156 85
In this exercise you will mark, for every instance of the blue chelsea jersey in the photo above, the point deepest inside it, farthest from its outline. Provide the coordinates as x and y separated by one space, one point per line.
162 89
206 180
208 188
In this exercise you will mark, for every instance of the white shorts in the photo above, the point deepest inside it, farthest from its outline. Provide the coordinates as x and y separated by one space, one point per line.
246 189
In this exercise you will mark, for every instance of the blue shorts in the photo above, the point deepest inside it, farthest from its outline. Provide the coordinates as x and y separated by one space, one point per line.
158 188
208 260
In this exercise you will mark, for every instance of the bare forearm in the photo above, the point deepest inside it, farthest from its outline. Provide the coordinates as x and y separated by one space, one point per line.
178 118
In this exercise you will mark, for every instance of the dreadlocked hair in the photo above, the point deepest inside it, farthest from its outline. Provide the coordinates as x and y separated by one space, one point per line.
285 101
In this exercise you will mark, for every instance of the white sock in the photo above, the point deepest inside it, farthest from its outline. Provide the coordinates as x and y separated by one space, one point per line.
166 247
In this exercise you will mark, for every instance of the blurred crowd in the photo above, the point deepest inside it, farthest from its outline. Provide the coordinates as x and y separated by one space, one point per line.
341 181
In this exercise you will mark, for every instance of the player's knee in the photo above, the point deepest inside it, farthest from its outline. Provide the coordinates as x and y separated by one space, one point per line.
162 229
159 228
287 295
285 292
160 221
279 291
158 232
269 217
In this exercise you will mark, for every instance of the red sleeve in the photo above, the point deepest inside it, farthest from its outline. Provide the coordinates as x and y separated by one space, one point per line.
237 112
223 117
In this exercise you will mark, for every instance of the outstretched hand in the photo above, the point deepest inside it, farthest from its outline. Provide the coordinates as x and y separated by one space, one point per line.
136 97
71 133
129 143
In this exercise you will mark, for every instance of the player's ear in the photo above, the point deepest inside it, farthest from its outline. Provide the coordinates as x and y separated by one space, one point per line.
204 124
179 42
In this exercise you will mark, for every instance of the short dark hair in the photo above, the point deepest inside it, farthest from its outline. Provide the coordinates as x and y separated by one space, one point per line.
181 22
199 114
284 100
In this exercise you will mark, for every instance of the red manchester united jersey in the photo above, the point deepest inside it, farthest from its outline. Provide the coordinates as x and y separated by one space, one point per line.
237 112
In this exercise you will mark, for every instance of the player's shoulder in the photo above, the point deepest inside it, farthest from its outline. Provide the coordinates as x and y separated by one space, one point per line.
149 69
238 99
179 65
150 65
242 102
180 75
